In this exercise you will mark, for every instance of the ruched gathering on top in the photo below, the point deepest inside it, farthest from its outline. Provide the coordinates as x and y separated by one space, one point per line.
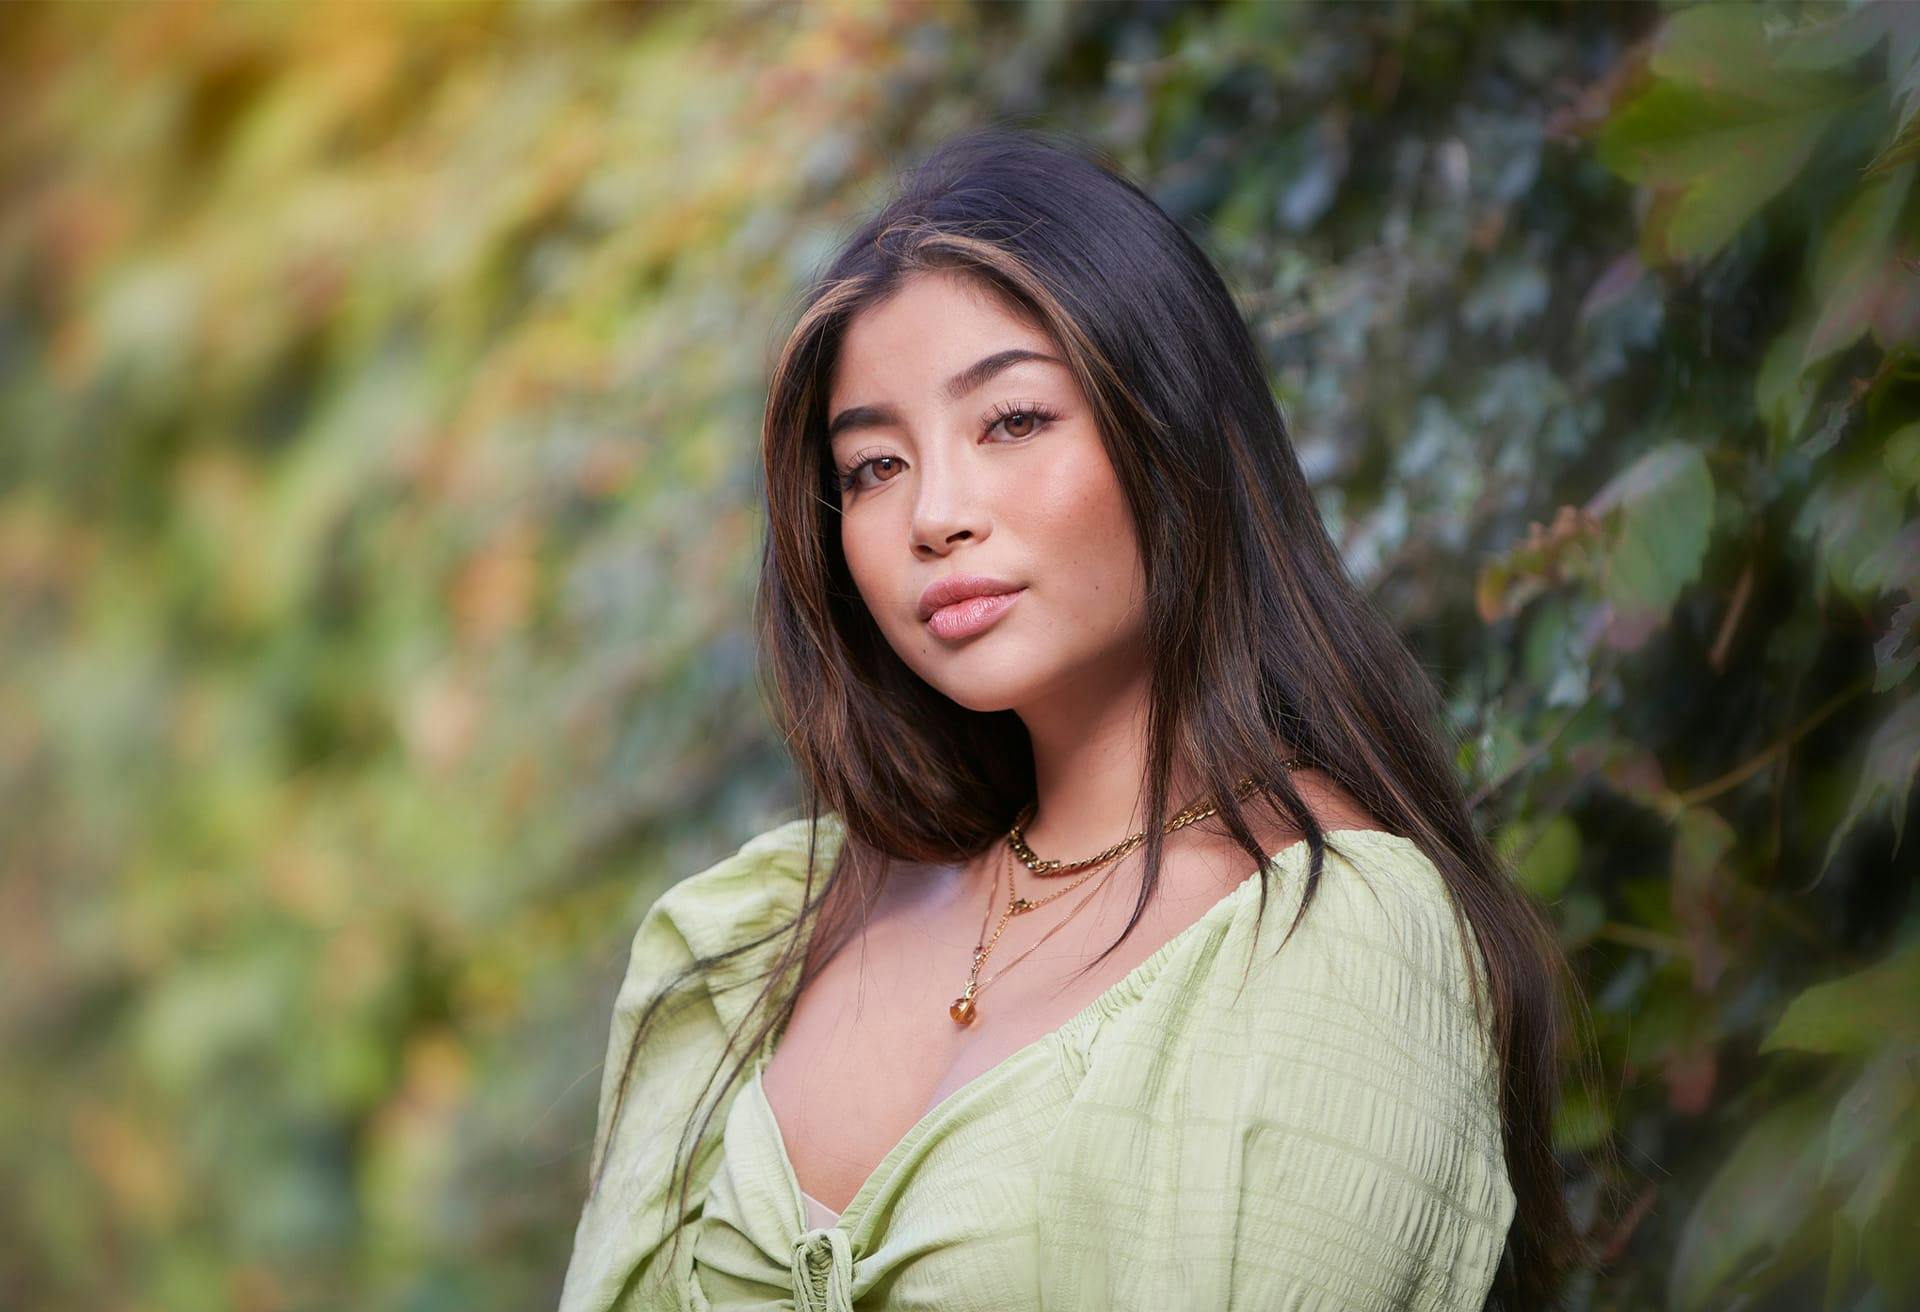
1325 1134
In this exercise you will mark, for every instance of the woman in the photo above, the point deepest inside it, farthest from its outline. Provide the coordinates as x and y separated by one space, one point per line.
1181 977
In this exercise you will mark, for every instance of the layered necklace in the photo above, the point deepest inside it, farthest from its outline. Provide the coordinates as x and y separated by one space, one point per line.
963 1010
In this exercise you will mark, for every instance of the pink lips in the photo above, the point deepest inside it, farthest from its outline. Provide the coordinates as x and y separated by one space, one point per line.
963 619
961 605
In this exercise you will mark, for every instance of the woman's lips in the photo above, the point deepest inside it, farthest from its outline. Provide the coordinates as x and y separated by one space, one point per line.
965 618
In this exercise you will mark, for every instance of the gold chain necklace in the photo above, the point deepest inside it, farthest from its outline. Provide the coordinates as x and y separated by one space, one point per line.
962 1009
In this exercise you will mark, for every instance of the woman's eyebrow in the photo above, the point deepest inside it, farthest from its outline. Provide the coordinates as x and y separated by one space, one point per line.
958 386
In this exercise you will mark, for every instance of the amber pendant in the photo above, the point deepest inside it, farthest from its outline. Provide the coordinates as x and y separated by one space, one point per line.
962 1010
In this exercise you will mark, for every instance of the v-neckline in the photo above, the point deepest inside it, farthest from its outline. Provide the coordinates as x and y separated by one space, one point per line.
854 1214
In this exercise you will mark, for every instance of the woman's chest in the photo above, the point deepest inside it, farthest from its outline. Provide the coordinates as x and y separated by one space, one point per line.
871 1049
949 1220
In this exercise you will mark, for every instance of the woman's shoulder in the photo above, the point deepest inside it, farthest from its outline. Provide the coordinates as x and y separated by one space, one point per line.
1380 948
749 891
740 899
1382 896
1381 902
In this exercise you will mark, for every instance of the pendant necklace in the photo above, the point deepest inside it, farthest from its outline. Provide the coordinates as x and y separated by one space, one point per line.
962 1010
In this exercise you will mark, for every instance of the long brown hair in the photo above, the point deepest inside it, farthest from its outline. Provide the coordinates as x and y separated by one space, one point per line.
1258 635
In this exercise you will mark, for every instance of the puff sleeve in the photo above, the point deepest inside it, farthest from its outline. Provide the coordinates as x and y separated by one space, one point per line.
625 1222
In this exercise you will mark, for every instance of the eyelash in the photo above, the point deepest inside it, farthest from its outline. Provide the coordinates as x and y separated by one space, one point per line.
1035 410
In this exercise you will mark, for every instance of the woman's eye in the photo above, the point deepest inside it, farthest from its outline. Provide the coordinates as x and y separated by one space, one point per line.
1021 421
851 478
1018 422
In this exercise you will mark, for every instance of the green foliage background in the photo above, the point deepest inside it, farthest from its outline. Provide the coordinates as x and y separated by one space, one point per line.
379 395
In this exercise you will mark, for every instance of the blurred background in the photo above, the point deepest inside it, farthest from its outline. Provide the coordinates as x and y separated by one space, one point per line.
379 397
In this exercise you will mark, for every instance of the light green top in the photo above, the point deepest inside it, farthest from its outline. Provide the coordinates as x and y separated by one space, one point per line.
1328 1138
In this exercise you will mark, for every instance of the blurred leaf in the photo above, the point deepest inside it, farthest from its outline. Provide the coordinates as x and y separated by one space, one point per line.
1833 43
1724 127
1895 566
1570 548
1897 652
1903 149
1719 159
1855 1015
1581 1122
1881 1211
1848 520
1869 1116
1727 49
1661 513
1763 1192
1857 266
1893 753
1787 386
1901 455
1548 853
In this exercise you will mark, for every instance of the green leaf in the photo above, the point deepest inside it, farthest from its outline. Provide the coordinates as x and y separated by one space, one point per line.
1868 1117
1896 565
1892 756
1898 649
1726 49
1859 236
1664 505
1856 263
1859 1014
1843 1255
1673 135
1901 456
1726 125
1549 858
1725 157
1881 1210
1787 386
1848 521
1762 1194
1831 43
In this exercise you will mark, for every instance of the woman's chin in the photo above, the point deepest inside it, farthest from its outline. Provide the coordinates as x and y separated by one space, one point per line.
982 691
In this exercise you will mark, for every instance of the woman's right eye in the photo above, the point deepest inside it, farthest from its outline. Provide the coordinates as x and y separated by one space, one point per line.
850 479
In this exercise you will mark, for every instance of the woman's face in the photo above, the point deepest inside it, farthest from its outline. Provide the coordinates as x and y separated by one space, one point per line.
953 461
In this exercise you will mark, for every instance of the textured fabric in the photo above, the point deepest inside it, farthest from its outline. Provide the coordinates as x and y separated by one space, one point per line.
1324 1135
